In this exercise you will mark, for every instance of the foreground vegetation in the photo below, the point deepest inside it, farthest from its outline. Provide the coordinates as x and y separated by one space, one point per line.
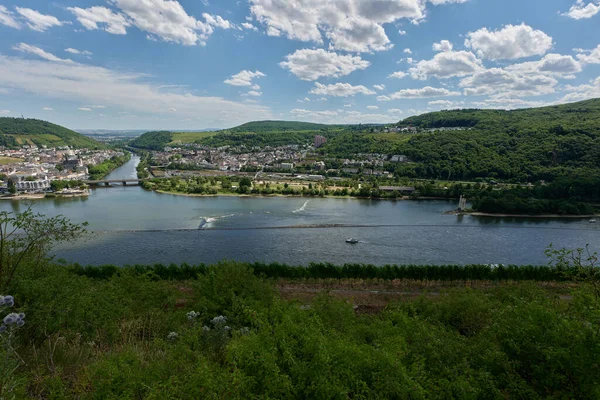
15 132
224 331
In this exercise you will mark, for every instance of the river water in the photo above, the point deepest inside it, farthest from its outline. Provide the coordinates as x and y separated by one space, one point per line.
134 226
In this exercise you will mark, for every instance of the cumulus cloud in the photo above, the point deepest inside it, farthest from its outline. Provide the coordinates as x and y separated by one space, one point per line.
161 19
26 48
401 32
312 64
551 64
38 21
340 90
101 18
590 56
407 51
128 91
244 78
510 42
507 83
48 109
352 25
340 116
582 92
7 18
420 93
446 65
580 10
247 25
86 109
372 107
379 87
172 109
444 45
383 98
253 93
398 75
441 103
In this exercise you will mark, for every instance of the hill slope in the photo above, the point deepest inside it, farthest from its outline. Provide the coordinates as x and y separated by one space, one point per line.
277 126
155 140
18 131
520 145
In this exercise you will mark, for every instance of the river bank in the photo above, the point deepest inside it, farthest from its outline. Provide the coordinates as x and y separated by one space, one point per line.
501 215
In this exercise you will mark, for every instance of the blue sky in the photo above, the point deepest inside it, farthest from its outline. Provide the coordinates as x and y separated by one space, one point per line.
192 64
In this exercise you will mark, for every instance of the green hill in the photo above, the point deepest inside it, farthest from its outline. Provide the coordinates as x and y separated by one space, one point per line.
19 131
277 126
520 145
155 140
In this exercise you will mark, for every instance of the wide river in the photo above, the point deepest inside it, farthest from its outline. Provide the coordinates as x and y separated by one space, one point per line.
134 226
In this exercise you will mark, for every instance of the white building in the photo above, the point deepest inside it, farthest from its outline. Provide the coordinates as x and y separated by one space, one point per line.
27 182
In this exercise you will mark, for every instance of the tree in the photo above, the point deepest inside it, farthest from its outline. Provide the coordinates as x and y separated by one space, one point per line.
28 237
245 182
12 188
581 265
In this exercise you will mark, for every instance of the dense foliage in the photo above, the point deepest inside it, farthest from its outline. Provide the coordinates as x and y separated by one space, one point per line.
101 170
521 145
229 335
564 196
277 126
42 133
156 140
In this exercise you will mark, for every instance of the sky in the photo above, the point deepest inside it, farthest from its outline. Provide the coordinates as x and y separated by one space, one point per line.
196 64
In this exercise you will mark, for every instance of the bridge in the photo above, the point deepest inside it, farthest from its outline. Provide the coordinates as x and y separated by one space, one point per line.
124 182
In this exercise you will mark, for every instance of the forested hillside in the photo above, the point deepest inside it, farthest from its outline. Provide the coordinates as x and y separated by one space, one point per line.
20 131
521 145
156 140
276 126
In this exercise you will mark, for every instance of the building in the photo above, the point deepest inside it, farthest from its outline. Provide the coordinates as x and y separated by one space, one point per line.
26 182
320 141
319 165
399 158
285 165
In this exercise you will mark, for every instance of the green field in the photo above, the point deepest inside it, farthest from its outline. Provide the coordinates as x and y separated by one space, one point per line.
190 137
9 160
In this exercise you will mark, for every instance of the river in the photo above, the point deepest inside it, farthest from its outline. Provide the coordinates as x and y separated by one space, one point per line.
133 226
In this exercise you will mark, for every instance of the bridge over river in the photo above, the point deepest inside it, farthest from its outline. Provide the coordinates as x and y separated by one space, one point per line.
124 182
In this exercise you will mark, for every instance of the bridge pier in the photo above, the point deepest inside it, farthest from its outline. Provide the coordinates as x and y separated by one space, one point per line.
124 183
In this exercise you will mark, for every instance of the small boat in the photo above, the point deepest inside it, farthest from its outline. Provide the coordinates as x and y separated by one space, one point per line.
352 241
592 221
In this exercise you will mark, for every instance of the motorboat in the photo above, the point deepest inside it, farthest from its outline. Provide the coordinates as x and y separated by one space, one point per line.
352 241
592 221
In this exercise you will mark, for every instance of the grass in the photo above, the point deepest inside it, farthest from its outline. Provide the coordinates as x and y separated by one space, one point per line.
9 160
190 137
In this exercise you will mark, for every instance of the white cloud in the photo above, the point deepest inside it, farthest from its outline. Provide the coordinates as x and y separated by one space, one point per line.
398 75
352 25
348 105
446 65
407 51
172 109
101 18
254 93
75 51
507 83
383 98
508 103
38 21
3 112
582 92
161 19
379 87
442 103
217 21
243 78
26 48
510 42
340 116
439 2
7 18
312 64
550 64
96 106
48 109
130 92
340 90
372 107
590 57
421 93
444 45
247 25
401 32
86 109
580 11
395 111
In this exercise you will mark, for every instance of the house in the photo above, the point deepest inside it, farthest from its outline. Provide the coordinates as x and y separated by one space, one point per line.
399 158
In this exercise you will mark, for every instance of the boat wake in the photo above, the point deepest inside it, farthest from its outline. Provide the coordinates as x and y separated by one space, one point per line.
205 221
301 208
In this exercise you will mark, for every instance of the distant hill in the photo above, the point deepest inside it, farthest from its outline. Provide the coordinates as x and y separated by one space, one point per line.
580 115
277 126
19 131
156 140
